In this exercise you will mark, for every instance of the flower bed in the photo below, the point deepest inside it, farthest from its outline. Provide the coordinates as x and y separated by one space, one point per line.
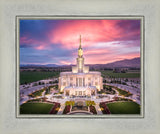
104 108
55 108
67 109
121 99
38 100
92 109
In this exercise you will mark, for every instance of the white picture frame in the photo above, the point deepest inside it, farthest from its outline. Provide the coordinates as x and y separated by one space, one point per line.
8 121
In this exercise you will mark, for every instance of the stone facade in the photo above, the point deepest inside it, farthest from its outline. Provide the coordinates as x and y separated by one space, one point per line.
80 81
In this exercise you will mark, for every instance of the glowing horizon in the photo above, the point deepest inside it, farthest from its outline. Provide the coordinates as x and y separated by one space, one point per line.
57 41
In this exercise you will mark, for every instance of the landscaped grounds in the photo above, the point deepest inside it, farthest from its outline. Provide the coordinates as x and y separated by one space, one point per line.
35 108
27 77
124 108
123 92
36 93
121 75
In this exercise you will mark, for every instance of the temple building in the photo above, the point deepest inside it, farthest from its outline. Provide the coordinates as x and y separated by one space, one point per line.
81 81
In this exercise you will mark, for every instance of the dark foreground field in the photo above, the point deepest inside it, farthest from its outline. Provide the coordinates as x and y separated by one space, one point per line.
35 108
124 108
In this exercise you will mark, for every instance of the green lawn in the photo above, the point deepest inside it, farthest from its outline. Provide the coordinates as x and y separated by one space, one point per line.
36 93
35 108
35 76
120 75
123 92
124 108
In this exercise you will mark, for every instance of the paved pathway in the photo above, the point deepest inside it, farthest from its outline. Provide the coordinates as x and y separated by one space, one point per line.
61 109
134 91
99 112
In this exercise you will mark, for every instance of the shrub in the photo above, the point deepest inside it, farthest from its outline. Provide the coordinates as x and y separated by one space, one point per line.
71 103
55 108
104 108
90 103
67 109
93 110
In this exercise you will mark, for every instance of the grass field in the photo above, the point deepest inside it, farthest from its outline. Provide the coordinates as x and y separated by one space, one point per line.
36 93
123 92
124 108
35 76
120 75
35 108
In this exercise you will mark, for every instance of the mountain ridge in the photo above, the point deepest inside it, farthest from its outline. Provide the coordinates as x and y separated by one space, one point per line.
135 62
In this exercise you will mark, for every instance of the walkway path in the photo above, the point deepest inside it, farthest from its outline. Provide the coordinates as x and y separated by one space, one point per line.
61 109
98 109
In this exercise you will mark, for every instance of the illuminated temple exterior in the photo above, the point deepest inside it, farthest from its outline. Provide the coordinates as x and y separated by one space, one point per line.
81 81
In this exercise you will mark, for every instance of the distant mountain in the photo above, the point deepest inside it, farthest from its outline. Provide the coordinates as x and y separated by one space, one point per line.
125 63
133 63
52 65
39 65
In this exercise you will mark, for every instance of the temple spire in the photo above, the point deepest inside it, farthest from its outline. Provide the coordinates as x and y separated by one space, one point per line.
80 51
80 47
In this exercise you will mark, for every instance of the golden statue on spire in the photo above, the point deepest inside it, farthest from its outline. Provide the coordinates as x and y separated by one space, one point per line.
80 43
80 51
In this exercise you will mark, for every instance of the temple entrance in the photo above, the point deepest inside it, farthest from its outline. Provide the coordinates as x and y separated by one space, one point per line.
67 93
80 93
93 92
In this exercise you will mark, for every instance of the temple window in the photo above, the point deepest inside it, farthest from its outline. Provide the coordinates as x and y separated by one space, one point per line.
80 82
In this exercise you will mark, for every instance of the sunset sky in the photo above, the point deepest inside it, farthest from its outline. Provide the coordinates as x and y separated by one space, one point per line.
57 41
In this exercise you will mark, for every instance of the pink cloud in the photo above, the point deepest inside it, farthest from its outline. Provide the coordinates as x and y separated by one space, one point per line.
92 32
36 44
107 58
103 41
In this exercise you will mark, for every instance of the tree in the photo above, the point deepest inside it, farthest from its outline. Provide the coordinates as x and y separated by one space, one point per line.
71 103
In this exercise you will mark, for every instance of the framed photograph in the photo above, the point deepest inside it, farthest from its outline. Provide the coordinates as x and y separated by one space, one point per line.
79 67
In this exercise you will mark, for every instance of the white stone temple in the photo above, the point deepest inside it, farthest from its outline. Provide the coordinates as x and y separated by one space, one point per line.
81 81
